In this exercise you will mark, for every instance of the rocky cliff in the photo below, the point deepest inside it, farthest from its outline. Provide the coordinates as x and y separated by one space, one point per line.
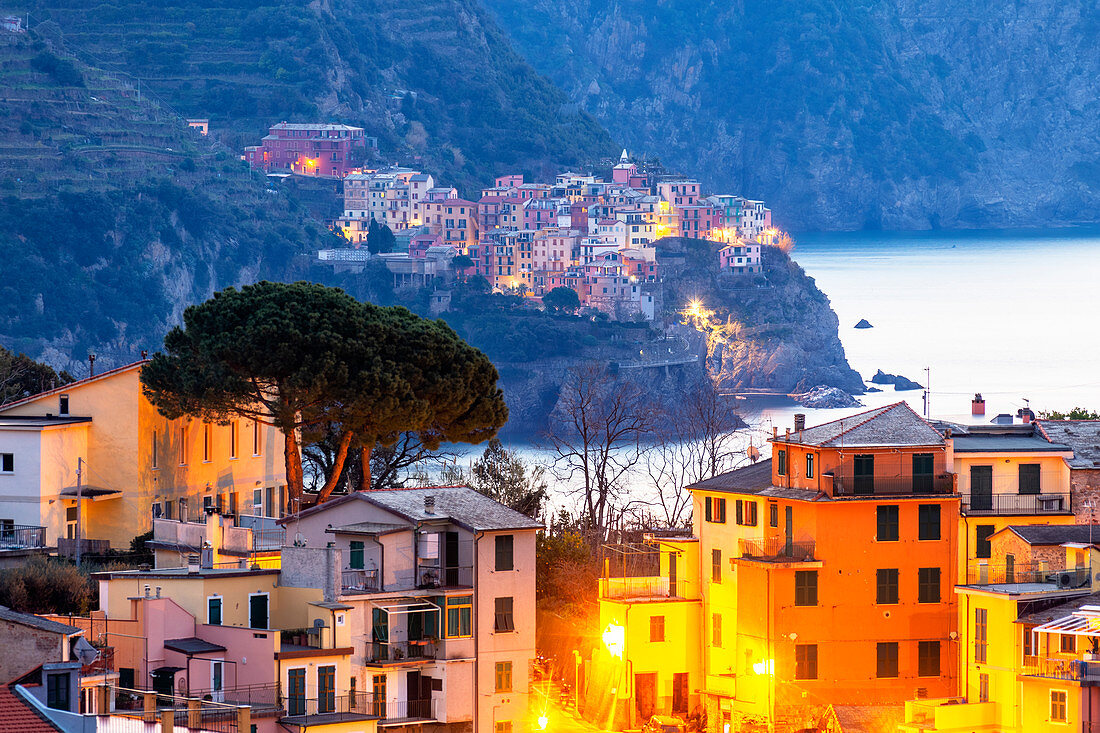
844 114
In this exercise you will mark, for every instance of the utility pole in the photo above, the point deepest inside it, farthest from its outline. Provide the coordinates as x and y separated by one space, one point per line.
79 496
927 391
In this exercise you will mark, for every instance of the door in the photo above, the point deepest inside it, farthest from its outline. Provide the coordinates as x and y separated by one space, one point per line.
378 688
922 473
680 693
257 611
450 559
788 531
645 696
981 488
414 690
863 475
296 692
672 586
217 680
380 634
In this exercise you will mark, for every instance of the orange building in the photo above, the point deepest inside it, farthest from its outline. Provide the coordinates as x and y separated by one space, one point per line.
831 569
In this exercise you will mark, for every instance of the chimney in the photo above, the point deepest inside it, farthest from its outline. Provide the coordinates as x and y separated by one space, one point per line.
775 432
799 421
331 588
146 590
429 504
158 591
977 405
192 564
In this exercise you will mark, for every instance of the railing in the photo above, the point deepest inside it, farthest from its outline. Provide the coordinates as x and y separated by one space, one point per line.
263 699
192 713
890 485
359 704
980 573
67 547
1016 503
777 549
397 651
1076 670
359 581
21 537
435 576
266 534
643 587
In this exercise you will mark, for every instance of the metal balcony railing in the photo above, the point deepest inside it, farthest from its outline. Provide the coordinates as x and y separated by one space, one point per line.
358 704
22 537
890 485
1076 670
399 651
1015 503
263 699
778 549
653 586
358 581
981 573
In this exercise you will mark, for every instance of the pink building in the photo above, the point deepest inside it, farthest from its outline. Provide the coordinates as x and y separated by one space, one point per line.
679 193
312 149
419 244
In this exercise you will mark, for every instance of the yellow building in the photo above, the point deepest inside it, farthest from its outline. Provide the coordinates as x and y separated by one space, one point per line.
134 464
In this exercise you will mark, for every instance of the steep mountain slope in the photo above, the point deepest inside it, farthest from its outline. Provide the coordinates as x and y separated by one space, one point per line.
434 80
845 113
114 216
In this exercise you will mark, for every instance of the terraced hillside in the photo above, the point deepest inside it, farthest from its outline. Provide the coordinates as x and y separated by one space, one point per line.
114 216
435 80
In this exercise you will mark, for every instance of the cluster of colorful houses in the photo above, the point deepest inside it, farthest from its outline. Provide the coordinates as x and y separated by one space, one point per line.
582 232
882 572
403 610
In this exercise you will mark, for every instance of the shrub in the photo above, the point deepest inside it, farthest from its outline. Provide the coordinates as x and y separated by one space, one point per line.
46 586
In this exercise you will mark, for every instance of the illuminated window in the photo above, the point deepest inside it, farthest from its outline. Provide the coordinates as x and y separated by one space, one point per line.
980 632
656 628
928 585
886 585
805 661
1058 706
928 659
459 611
887 530
928 522
503 677
716 565
887 661
805 587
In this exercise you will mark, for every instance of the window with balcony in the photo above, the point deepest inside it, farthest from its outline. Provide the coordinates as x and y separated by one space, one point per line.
503 677
296 691
326 688
355 556
1067 643
887 523
886 586
923 468
928 522
504 546
928 585
805 587
656 628
863 475
1029 478
928 659
805 661
887 659
981 630
502 619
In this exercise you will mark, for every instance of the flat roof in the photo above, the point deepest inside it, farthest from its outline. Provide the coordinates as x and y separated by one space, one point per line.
38 422
978 443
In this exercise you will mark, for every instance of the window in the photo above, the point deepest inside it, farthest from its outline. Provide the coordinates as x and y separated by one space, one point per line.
504 552
503 726
886 585
928 585
923 467
928 522
805 587
155 454
378 687
57 691
887 663
982 533
214 610
716 630
503 677
258 502
863 474
773 514
746 515
980 632
805 661
656 628
168 512
63 405
355 559
207 503
781 462
1029 478
716 565
983 687
715 510
503 618
207 441
257 611
326 688
233 439
928 659
1058 706
183 446
459 610
887 523
1067 644
256 437
7 462
809 465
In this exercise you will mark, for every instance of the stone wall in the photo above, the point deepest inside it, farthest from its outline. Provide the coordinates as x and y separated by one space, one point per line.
1084 487
312 567
26 648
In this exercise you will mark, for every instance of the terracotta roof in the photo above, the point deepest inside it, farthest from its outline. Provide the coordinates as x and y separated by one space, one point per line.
18 714
74 385
892 425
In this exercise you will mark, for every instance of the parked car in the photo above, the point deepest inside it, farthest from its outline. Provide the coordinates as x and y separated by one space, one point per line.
664 724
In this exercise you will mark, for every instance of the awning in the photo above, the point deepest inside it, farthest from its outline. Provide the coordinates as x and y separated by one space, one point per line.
1085 622
166 671
92 492
192 645
405 605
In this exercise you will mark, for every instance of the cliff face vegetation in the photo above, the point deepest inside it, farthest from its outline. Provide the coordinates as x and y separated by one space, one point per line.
844 114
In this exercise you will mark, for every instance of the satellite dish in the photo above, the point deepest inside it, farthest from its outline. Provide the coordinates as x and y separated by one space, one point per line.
85 652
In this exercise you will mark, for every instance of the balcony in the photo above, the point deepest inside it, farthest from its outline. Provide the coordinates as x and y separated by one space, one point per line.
380 652
22 537
355 707
1086 672
982 573
646 587
264 700
778 550
858 486
1015 503
358 581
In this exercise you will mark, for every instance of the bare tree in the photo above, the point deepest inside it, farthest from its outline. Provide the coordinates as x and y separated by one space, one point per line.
697 440
597 433
390 465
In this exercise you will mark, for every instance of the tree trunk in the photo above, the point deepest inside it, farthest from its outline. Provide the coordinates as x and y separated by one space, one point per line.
295 482
364 458
337 466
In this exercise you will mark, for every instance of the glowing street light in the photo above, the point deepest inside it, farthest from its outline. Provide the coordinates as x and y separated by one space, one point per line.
614 638
543 722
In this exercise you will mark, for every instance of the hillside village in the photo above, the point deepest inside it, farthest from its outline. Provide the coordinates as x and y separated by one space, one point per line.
582 232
